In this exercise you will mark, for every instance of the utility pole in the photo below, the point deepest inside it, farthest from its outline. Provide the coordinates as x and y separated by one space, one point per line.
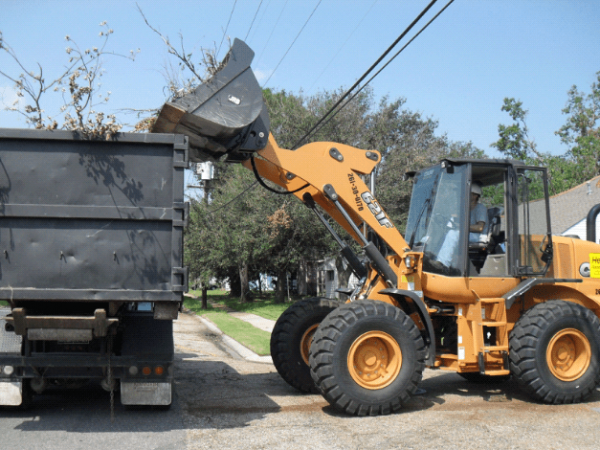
205 173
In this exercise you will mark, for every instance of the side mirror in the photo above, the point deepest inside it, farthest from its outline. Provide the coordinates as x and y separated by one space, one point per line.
546 251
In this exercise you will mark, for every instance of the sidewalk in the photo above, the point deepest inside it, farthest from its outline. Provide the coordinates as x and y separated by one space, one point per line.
254 320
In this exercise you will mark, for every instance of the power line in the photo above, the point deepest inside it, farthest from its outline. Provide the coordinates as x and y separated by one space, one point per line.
343 45
253 19
260 21
298 35
234 198
384 66
272 31
347 93
375 64
226 27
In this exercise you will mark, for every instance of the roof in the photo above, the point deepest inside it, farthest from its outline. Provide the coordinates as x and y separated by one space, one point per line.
570 207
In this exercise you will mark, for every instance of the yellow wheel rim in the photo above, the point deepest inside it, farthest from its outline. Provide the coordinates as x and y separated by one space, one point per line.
569 354
306 341
374 360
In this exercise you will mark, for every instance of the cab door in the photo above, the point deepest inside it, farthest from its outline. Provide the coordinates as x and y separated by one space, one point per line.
532 238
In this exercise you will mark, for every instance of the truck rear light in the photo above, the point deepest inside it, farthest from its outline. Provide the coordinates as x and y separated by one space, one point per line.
8 370
159 370
146 370
133 370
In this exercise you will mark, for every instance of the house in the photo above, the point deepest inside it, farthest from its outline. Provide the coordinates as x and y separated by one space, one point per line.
569 209
329 277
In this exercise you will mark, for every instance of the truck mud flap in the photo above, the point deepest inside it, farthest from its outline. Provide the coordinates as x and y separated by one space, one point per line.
11 393
145 393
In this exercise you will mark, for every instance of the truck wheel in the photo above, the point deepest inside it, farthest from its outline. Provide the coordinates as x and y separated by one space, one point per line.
367 358
292 337
554 352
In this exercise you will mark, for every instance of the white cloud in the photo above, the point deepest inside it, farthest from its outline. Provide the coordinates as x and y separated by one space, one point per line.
262 75
9 98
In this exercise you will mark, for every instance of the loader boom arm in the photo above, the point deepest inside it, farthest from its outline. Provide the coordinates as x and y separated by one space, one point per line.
331 172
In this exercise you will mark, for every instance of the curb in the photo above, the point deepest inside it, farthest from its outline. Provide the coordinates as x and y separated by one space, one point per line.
234 345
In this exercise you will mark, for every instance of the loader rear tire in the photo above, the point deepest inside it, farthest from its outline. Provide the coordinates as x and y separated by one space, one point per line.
367 358
554 352
292 337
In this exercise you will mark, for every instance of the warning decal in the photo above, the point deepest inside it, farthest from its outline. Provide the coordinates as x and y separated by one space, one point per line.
595 265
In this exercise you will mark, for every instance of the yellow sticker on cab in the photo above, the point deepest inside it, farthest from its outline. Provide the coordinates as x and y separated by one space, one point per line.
595 265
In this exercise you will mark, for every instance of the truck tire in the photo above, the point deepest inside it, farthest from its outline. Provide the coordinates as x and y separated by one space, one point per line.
553 352
367 358
291 339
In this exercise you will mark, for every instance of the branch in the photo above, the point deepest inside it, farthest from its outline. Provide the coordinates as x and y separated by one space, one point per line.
182 57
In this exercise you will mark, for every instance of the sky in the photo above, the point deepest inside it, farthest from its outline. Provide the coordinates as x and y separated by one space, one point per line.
457 72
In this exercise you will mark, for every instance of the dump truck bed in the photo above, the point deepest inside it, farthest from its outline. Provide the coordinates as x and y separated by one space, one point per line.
91 220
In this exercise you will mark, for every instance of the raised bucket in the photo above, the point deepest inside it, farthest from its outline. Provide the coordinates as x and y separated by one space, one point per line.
226 115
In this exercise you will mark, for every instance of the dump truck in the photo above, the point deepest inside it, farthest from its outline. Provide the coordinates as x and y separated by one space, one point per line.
91 268
504 298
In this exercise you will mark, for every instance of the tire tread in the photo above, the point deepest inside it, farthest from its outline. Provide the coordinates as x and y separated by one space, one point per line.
523 341
321 356
283 335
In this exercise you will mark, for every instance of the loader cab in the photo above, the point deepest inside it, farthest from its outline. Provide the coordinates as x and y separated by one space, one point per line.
516 238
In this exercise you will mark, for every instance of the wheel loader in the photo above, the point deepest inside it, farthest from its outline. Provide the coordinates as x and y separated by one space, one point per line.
502 299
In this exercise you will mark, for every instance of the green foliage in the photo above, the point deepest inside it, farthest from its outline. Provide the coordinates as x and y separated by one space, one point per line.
250 231
514 142
254 338
407 141
263 307
251 337
582 130
564 171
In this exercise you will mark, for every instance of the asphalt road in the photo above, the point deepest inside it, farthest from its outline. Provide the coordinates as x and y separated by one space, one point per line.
225 402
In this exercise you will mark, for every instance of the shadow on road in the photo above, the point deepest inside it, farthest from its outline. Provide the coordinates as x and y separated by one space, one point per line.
213 395
203 389
437 391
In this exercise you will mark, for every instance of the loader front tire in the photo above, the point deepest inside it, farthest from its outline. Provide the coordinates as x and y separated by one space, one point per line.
292 337
554 352
367 358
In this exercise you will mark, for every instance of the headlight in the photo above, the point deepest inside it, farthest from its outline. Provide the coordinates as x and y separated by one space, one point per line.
584 270
408 262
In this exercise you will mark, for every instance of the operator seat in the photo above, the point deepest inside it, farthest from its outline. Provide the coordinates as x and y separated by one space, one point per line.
490 238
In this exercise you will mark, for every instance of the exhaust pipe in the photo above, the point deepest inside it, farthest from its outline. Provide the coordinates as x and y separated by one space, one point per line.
226 115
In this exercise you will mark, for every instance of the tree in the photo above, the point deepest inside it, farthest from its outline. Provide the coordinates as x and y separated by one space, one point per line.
564 171
514 139
407 141
582 129
77 85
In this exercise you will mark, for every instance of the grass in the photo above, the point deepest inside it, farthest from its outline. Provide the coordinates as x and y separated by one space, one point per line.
255 339
263 307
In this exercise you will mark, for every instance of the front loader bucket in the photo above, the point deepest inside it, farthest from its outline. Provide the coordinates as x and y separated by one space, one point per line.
226 115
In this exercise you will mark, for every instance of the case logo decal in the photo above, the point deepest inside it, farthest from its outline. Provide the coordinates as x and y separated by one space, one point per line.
376 210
